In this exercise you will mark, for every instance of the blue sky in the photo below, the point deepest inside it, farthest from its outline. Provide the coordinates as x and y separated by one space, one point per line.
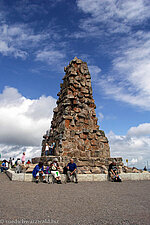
39 38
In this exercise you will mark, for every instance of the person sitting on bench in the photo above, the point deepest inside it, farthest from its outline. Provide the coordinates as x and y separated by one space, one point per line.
48 172
38 171
72 171
54 168
18 168
4 166
113 172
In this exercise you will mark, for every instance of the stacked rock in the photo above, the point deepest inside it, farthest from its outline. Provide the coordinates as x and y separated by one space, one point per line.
74 128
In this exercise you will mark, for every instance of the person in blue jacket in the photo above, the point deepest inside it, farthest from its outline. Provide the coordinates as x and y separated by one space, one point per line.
38 171
3 166
72 171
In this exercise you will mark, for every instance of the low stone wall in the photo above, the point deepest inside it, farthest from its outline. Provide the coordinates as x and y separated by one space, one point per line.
15 176
135 176
81 177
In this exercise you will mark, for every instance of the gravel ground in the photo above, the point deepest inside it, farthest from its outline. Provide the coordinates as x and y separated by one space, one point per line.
83 203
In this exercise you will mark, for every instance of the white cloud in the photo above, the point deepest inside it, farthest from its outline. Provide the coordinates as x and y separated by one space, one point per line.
94 71
134 146
100 116
22 40
16 40
15 151
23 121
140 131
128 79
51 56
113 16
123 9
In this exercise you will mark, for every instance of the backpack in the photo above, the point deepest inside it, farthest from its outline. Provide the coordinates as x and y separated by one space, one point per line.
65 170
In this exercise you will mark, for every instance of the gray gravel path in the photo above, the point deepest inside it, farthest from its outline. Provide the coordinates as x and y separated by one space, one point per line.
84 203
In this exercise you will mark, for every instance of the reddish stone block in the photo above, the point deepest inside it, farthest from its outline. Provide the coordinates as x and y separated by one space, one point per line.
92 105
75 102
72 88
87 142
66 149
76 85
75 93
69 92
94 147
93 142
77 110
67 122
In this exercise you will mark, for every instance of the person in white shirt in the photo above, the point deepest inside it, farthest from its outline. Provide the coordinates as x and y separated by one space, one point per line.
18 166
13 163
54 168
46 149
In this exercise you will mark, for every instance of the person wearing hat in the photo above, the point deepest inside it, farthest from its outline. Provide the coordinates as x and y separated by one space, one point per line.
54 168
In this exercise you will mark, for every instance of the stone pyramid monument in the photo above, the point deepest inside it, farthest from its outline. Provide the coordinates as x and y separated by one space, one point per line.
74 128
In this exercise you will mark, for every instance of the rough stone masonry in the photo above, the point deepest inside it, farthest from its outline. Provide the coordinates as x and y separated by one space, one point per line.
74 126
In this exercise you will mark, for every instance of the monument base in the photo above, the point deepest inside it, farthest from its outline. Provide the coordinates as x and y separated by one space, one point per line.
85 165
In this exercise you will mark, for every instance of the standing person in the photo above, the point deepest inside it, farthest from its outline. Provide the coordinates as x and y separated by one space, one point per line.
46 149
72 171
13 163
10 163
54 145
23 158
51 149
38 171
7 164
